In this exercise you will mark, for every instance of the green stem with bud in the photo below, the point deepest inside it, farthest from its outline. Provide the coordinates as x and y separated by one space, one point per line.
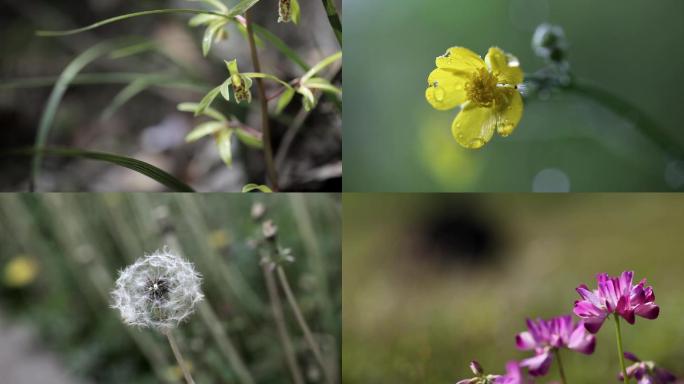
265 128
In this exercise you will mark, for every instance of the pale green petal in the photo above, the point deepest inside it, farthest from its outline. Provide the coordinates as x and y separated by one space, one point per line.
505 67
446 89
474 126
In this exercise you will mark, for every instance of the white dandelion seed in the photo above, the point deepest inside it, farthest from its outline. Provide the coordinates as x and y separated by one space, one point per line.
157 291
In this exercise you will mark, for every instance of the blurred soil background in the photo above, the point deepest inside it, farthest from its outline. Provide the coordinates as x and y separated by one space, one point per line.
149 127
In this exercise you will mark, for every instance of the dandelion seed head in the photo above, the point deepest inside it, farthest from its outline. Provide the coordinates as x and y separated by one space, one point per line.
157 291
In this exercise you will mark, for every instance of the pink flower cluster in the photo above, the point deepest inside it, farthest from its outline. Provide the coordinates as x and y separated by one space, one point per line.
617 296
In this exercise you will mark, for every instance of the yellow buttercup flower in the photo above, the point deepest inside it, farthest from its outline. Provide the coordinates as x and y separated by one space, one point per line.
487 91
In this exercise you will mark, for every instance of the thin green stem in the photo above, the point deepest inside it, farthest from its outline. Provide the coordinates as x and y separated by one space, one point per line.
128 16
333 19
308 336
561 371
266 130
629 111
179 357
621 355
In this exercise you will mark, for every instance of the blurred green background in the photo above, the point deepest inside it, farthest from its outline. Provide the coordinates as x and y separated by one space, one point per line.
394 141
433 281
61 252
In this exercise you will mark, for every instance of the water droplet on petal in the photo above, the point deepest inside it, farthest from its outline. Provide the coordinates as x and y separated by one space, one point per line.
476 143
439 94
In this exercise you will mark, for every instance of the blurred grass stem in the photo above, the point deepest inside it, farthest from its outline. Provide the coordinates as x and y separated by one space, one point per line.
179 357
277 309
621 354
266 130
302 323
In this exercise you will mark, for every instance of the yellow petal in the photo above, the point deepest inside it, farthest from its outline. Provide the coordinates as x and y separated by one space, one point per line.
504 66
460 59
446 89
474 126
509 112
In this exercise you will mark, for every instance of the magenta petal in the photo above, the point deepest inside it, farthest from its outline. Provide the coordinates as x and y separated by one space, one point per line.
593 324
525 341
628 316
582 342
649 311
538 365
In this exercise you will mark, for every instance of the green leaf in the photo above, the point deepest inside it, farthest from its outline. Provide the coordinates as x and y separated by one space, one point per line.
284 100
208 111
334 19
308 98
249 138
295 11
321 64
280 45
133 50
224 146
58 91
198 20
256 187
124 17
210 34
241 7
207 100
139 166
322 84
205 129
121 98
254 75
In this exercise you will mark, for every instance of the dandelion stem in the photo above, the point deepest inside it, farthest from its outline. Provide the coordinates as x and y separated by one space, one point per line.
302 322
277 309
621 355
266 130
560 366
179 357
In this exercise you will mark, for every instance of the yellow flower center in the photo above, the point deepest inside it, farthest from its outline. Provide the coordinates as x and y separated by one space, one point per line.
482 88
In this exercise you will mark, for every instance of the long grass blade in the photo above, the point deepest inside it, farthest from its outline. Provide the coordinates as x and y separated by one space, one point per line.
139 166
104 78
124 17
333 19
280 45
58 91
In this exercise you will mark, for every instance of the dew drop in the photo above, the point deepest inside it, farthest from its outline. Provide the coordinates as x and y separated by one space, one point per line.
439 94
476 143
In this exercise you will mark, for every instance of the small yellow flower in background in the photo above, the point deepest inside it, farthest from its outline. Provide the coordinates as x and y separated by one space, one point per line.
486 90
219 239
20 271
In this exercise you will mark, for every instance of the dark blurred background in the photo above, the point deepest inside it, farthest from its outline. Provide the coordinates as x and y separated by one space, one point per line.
394 140
60 255
433 281
148 127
